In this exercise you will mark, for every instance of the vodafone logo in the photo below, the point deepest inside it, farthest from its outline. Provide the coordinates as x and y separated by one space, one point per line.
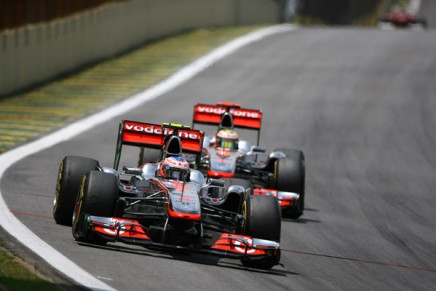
147 129
214 110
243 113
190 134
234 111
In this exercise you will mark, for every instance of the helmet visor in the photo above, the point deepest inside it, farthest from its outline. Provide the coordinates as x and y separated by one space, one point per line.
227 143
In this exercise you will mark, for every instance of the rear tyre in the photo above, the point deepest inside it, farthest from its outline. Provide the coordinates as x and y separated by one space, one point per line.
264 222
290 177
98 196
71 171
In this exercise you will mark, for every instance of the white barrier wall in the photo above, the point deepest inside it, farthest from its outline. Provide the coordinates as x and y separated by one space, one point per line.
37 53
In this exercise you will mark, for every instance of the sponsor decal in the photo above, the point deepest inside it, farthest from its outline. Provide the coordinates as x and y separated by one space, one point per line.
128 187
119 227
109 229
78 206
238 244
58 185
244 113
240 247
237 112
158 130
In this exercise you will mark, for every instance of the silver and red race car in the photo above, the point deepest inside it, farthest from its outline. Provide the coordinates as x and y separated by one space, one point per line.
166 203
402 18
280 173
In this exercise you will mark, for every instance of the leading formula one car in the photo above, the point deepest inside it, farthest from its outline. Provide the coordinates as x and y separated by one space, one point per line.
166 203
402 18
280 173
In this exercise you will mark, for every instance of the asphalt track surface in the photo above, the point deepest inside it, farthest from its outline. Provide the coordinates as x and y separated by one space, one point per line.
359 102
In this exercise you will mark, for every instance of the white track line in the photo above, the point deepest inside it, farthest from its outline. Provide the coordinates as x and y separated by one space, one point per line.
13 226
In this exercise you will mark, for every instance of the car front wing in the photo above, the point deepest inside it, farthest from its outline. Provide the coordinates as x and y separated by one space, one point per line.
130 231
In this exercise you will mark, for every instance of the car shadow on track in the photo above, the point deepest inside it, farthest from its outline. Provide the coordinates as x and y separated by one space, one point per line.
186 256
303 219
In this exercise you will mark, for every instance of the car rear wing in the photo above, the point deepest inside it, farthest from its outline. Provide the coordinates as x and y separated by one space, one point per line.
216 115
149 135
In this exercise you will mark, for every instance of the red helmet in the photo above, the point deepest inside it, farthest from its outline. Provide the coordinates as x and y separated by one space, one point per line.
227 138
174 168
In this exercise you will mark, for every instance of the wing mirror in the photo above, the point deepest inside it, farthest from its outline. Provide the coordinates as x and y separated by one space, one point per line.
258 149
216 182
133 171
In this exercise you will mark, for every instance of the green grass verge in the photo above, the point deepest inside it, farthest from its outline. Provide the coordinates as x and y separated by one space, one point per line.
15 275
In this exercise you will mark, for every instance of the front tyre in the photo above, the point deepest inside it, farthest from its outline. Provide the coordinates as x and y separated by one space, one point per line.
71 171
98 196
264 222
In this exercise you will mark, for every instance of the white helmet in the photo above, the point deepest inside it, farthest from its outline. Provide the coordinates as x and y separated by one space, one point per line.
227 138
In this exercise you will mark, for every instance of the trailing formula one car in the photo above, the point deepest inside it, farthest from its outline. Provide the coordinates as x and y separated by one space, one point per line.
402 18
166 203
280 173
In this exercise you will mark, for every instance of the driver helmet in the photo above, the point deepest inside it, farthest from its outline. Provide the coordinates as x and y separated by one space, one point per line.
227 138
174 168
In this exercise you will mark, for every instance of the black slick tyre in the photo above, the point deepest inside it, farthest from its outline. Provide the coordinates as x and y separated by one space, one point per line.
290 177
71 171
98 196
264 222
